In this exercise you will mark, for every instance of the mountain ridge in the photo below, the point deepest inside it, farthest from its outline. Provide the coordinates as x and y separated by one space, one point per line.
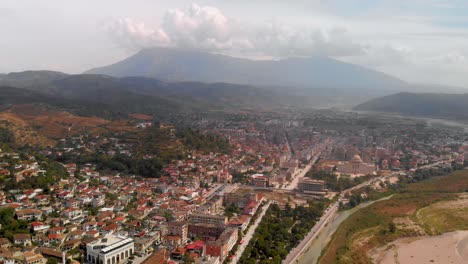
186 65
439 105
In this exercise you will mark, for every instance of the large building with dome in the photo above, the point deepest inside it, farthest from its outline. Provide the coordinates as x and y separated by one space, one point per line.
356 167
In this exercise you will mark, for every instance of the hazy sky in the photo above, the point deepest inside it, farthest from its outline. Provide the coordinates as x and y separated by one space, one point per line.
423 41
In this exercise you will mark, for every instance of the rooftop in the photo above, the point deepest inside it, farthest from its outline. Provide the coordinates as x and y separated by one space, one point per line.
111 242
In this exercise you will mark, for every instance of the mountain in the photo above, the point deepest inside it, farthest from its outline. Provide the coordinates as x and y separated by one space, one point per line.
186 65
92 94
453 106
30 79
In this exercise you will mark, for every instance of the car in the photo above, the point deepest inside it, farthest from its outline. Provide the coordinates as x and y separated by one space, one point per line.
241 242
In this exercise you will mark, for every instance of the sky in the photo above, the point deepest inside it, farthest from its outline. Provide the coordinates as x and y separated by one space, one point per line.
420 41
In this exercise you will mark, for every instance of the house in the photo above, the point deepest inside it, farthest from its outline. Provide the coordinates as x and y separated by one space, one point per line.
72 213
91 225
22 239
4 243
161 257
41 239
39 227
56 238
57 230
29 214
110 229
71 244
77 234
50 253
92 234
197 247
33 258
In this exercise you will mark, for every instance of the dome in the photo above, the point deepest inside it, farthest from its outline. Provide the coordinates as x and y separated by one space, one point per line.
356 159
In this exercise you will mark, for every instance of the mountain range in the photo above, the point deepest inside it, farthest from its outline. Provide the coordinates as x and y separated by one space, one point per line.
168 80
451 106
101 94
319 81
187 65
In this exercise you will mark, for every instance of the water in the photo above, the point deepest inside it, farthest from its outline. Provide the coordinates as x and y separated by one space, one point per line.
315 249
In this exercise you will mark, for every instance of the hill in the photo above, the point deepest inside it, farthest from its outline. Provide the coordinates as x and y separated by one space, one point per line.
21 132
187 65
427 105
101 95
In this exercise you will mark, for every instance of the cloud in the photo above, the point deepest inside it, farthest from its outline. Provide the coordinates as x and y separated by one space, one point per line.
207 28
196 27
414 47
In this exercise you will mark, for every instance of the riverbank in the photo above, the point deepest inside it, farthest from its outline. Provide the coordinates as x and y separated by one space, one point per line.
384 222
314 250
447 248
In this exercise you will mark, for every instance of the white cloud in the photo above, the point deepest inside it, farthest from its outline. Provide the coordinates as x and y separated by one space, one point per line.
207 28
197 27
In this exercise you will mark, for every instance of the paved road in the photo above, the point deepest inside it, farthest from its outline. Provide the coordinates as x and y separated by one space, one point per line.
330 212
297 251
248 236
293 184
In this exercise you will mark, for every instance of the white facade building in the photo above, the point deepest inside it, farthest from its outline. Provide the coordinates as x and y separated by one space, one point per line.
110 250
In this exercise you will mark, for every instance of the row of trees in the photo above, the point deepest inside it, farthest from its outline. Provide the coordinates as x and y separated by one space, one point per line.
280 231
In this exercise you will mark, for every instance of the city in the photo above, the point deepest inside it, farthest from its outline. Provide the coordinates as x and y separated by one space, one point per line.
206 206
233 132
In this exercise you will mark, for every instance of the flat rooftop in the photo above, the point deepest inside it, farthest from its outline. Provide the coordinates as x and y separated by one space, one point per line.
110 243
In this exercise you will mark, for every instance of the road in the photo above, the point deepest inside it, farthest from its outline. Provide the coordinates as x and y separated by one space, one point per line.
248 236
297 251
330 212
293 184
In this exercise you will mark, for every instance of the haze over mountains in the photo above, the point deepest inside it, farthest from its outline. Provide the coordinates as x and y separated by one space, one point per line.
452 106
165 79
186 65
100 94
320 82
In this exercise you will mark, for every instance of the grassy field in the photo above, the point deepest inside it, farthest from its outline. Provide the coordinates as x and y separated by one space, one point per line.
376 225
445 216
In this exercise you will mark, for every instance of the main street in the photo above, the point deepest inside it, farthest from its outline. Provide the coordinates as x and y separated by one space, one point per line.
248 236
293 184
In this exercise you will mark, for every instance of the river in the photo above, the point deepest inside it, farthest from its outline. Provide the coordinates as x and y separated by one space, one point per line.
315 249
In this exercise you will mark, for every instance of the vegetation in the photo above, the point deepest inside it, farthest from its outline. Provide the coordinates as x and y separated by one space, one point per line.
374 226
280 231
54 172
443 217
10 225
230 210
208 143
6 136
337 183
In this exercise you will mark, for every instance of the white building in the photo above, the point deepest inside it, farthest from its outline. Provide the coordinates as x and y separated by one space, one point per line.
110 250
356 167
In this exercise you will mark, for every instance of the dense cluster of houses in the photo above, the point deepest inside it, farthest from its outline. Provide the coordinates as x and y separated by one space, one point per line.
172 212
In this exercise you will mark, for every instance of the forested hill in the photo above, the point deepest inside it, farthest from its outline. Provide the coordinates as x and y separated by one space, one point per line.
106 96
453 106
